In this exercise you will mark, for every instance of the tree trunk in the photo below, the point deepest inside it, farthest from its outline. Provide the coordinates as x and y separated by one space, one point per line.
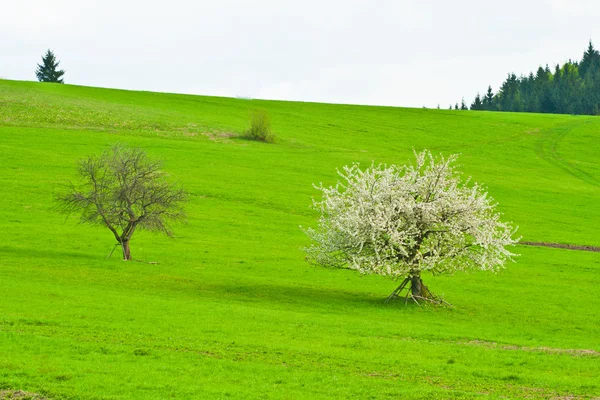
126 250
417 291
420 292
416 285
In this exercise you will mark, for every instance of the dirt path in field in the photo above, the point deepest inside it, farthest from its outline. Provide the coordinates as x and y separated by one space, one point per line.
562 246
549 350
19 394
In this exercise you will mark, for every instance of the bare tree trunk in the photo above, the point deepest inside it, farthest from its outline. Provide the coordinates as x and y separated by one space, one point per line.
126 250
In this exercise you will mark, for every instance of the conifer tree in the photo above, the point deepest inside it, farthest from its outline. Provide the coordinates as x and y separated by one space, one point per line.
590 61
488 100
557 74
477 103
47 71
542 76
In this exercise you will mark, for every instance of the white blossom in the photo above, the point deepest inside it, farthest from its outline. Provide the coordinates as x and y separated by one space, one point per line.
399 221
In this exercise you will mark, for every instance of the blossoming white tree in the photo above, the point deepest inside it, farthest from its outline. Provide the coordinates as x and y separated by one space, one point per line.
401 221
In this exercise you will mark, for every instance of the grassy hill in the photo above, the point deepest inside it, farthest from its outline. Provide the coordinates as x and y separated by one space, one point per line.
232 310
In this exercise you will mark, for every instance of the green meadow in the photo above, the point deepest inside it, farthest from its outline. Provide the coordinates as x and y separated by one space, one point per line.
232 310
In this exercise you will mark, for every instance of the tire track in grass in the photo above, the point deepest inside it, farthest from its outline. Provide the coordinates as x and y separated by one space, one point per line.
563 246
547 148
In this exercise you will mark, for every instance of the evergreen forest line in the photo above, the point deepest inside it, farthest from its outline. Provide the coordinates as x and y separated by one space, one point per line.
573 88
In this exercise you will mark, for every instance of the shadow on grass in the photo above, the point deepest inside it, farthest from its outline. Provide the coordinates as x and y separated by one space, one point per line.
22 253
313 297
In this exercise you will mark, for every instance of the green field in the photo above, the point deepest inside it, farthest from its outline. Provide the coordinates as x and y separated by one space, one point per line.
232 310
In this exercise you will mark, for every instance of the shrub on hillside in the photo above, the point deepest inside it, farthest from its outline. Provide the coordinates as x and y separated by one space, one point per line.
260 127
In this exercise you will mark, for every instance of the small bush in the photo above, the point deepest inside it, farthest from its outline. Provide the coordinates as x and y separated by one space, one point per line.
260 127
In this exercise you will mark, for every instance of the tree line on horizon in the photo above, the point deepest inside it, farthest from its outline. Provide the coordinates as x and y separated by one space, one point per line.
573 88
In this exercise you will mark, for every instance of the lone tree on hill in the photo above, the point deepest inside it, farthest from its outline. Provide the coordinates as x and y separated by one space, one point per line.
401 221
47 71
123 189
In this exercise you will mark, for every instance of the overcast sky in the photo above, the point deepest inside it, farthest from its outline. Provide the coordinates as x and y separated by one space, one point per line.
400 53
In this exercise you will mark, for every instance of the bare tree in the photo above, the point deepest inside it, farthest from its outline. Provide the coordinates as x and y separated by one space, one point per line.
124 190
401 221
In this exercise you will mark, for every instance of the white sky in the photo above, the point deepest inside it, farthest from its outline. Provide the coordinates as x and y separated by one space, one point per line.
401 53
